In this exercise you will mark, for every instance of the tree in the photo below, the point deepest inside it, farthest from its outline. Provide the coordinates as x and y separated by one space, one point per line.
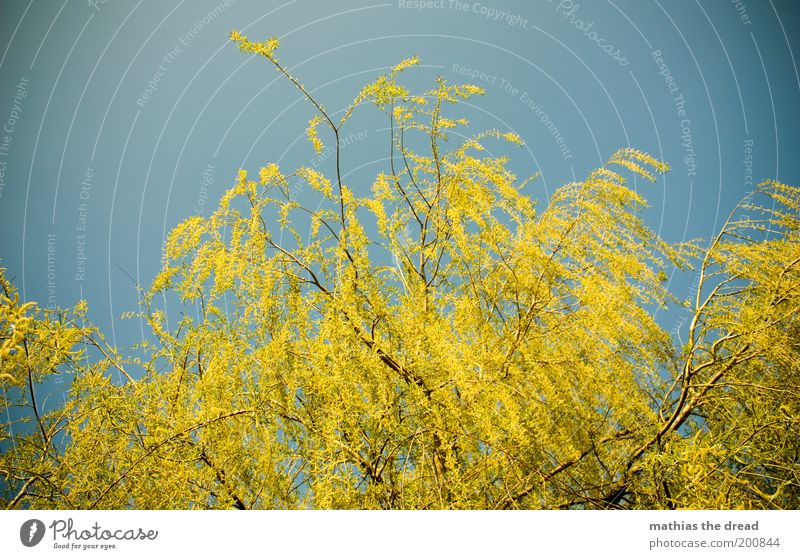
439 343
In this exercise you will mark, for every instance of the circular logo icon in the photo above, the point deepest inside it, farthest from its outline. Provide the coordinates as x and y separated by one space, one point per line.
31 532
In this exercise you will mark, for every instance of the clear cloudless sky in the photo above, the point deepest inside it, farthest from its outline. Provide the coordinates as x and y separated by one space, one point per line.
122 118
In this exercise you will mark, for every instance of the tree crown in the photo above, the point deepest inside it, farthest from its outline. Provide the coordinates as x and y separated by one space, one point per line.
436 343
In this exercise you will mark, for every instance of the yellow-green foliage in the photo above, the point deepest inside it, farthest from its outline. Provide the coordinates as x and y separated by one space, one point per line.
437 343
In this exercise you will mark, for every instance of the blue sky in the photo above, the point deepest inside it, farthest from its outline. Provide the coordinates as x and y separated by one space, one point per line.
123 118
